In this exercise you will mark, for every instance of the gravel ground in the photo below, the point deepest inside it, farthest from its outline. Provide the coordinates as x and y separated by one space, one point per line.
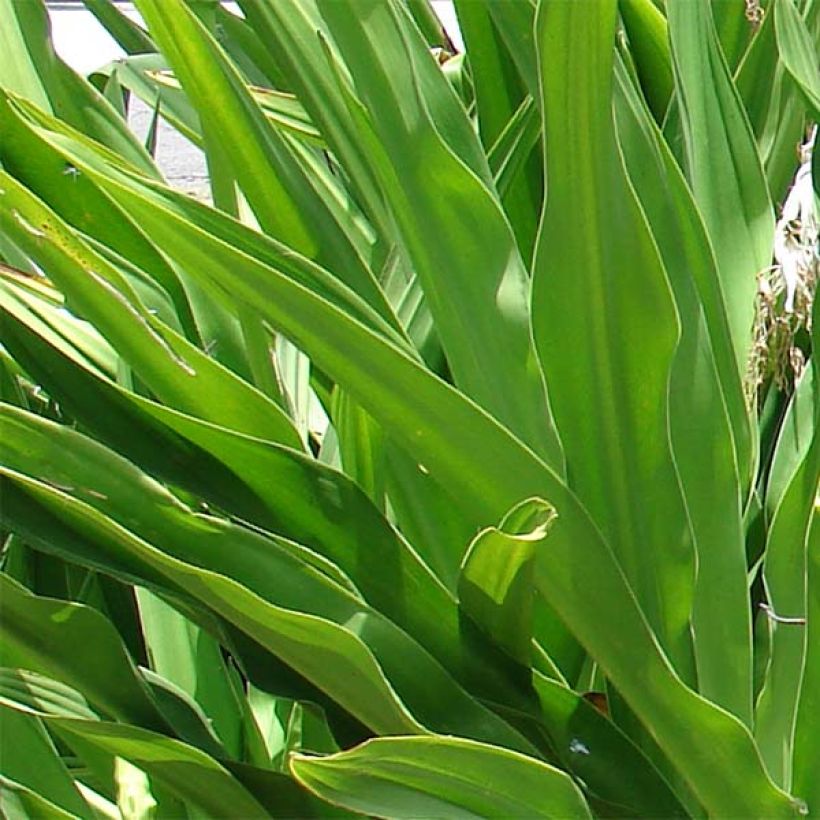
182 162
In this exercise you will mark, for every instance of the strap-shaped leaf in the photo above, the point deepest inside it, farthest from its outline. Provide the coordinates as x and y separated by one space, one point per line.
301 498
276 185
178 766
130 36
440 777
169 364
618 776
735 27
31 68
18 801
806 747
700 395
289 31
798 50
134 512
44 310
30 761
514 22
73 196
793 491
791 499
191 680
480 307
499 93
489 472
806 734
722 164
497 576
649 45
77 645
314 646
105 169
351 528
606 327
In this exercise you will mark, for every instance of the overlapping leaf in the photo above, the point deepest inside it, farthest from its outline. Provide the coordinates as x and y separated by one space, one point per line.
417 191
443 777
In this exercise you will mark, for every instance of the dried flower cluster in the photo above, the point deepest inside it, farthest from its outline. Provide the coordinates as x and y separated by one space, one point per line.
754 13
786 290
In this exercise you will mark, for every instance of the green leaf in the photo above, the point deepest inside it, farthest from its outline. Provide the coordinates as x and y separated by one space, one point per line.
793 488
248 545
428 22
30 67
179 767
316 647
722 165
499 92
324 510
276 185
388 380
805 731
440 777
361 446
289 33
130 37
109 411
514 146
798 52
247 47
72 195
794 440
698 411
171 366
190 658
734 29
148 77
28 758
498 87
307 502
185 716
616 775
649 45
480 307
815 172
44 310
107 171
515 24
114 94
489 472
496 583
38 694
606 328
759 77
18 802
430 518
301 615
74 644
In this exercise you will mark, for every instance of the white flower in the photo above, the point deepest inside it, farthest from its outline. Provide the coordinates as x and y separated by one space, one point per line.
796 236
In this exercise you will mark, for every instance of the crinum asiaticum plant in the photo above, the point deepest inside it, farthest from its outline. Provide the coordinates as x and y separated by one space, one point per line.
458 459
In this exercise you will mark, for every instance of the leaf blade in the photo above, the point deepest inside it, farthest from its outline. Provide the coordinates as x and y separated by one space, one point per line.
401 777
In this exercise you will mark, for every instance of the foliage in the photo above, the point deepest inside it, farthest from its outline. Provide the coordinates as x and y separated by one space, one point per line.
374 487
